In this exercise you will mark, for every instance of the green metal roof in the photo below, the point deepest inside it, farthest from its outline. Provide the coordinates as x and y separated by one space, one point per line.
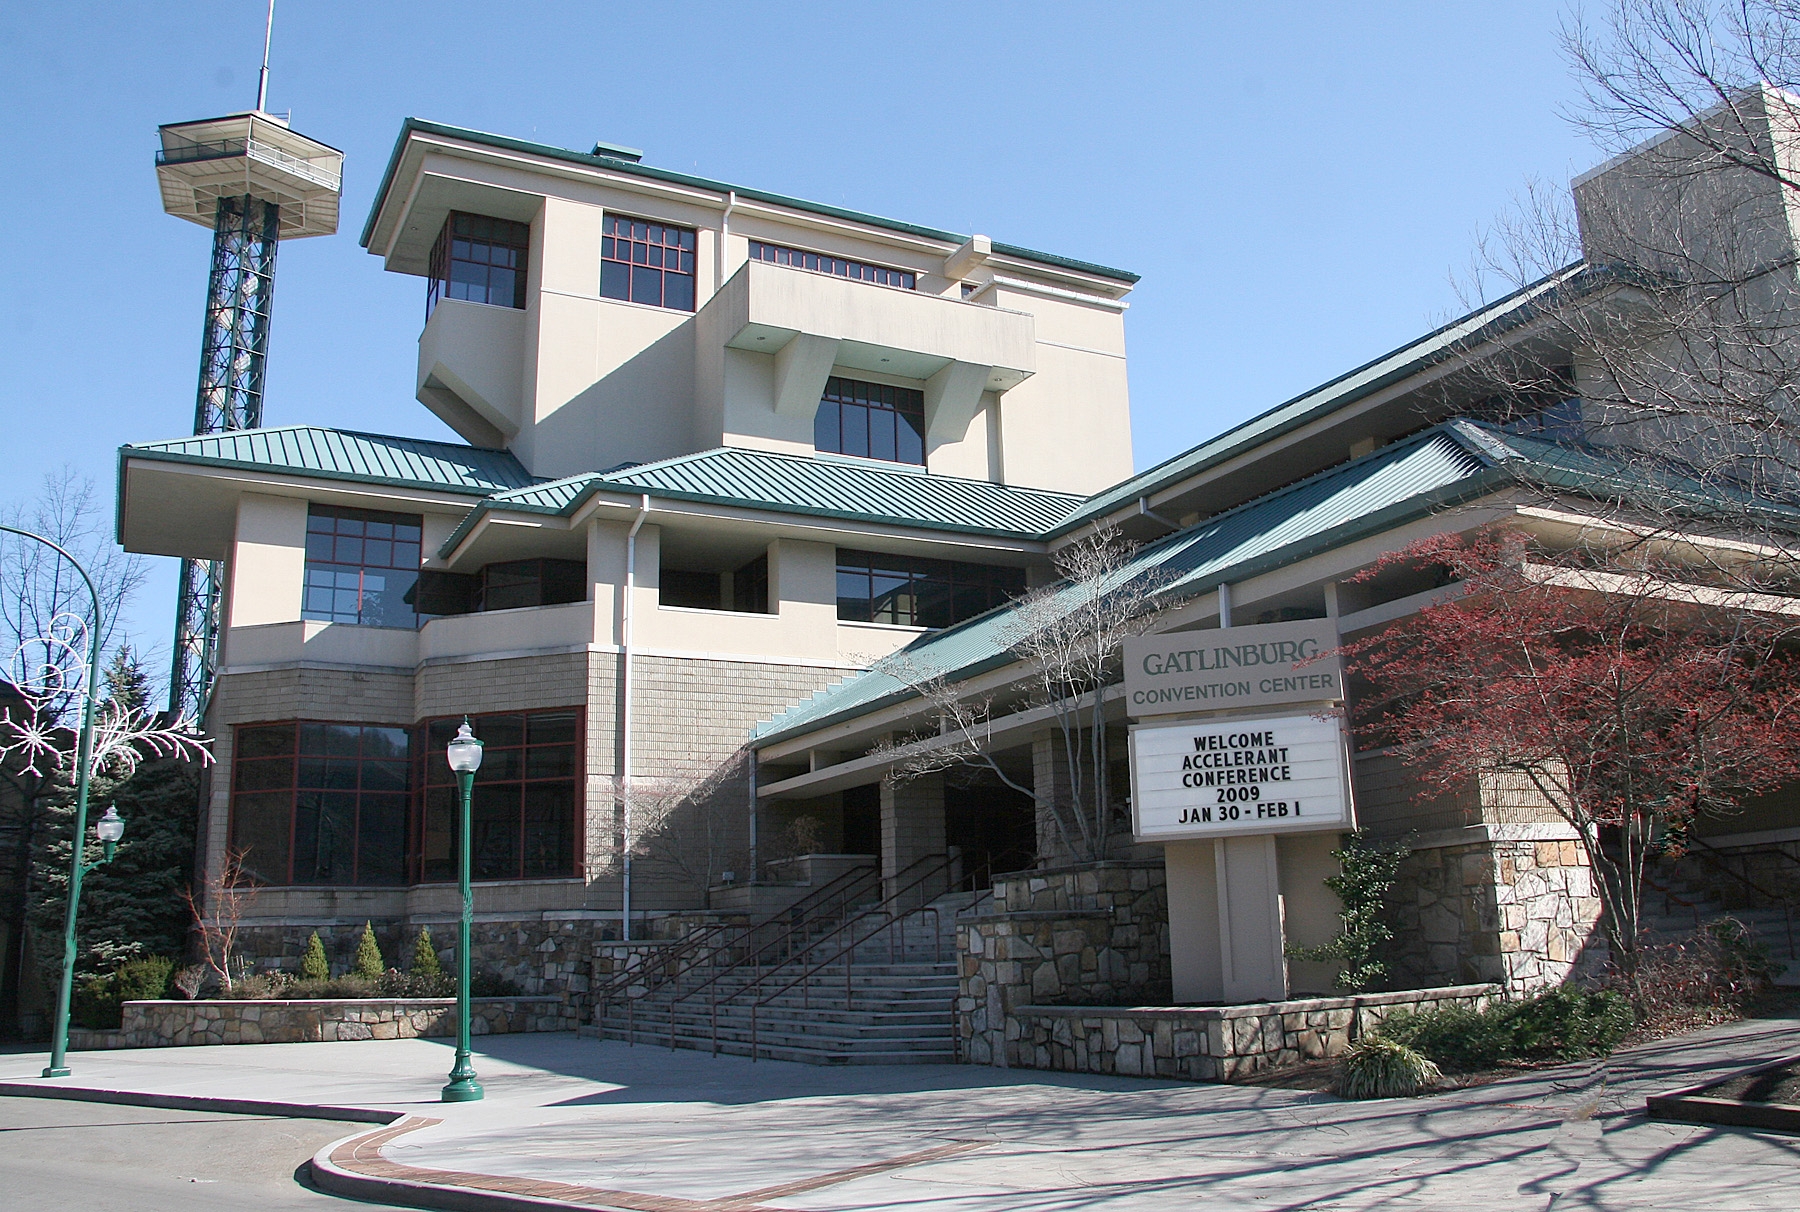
1452 462
632 167
1347 388
336 454
809 485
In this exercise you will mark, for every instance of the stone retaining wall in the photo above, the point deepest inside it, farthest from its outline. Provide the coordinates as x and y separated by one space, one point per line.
166 1024
1206 1043
1091 934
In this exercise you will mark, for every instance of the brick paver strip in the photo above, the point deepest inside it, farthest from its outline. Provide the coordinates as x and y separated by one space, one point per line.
363 1155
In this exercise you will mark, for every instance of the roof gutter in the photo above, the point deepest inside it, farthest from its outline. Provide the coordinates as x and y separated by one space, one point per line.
625 605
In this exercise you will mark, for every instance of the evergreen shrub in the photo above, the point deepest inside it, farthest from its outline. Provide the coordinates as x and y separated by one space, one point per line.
313 964
369 964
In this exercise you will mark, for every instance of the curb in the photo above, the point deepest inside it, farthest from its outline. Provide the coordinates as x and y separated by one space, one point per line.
195 1102
333 1179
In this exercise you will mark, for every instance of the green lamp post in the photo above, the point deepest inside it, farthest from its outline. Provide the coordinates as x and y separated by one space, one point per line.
464 752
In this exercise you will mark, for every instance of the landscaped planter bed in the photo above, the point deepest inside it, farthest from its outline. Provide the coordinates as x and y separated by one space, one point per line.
165 1024
1767 1097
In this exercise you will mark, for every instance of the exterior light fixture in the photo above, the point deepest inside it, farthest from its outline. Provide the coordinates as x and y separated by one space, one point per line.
464 754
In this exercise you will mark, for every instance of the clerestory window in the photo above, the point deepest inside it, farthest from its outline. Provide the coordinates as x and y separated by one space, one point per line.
841 267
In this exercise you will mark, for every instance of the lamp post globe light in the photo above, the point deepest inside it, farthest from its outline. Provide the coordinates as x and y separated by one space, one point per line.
464 753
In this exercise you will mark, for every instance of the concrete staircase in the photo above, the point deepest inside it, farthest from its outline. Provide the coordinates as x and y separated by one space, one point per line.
875 988
1676 908
884 1003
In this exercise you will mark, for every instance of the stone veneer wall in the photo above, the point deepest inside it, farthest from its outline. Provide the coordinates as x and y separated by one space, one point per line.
178 1024
1206 1043
1515 905
1091 934
548 957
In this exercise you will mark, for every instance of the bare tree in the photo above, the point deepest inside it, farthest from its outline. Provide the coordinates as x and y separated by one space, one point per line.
691 830
1665 314
45 626
1065 640
218 913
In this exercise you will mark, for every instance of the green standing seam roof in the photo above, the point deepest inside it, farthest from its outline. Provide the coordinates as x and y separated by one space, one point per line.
338 454
1409 359
1448 463
815 487
506 143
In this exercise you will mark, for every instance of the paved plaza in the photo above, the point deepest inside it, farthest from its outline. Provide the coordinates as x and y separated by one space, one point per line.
606 1125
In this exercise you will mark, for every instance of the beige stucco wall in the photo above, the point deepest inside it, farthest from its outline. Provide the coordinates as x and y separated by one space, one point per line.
578 383
270 564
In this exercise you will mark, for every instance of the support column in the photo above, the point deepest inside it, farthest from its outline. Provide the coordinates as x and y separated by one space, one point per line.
912 825
1225 927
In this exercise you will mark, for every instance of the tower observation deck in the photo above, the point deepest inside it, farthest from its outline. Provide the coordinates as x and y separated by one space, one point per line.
255 182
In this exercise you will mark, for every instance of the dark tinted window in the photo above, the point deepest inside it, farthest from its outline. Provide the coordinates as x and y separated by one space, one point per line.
321 803
481 259
361 567
878 588
874 420
525 810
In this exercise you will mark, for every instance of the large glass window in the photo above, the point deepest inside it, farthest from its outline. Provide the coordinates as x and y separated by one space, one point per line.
874 587
361 566
647 262
820 263
319 803
525 818
481 259
874 420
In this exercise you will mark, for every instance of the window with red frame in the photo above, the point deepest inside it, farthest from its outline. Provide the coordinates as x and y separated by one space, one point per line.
321 803
647 262
525 813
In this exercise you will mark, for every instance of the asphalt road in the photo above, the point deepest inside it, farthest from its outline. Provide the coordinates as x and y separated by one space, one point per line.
57 1154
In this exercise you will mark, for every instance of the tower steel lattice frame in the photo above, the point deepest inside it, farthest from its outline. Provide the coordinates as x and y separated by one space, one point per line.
234 347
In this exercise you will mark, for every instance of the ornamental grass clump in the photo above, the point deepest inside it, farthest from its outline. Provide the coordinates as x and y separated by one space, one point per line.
1376 1067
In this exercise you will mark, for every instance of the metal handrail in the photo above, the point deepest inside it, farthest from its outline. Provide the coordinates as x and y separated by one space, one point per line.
939 864
669 965
781 944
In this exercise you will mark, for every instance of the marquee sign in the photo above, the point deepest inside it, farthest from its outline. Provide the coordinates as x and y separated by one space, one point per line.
1275 774
1183 672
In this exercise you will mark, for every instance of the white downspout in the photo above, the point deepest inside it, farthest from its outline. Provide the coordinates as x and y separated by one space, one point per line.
724 231
625 703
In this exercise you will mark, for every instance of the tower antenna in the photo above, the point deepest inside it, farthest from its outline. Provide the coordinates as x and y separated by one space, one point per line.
262 79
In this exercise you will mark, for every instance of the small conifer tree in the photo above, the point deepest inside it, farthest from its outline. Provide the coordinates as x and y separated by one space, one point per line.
313 964
425 956
369 963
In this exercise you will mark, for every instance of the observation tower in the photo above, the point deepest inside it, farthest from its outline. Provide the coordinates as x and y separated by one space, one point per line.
255 182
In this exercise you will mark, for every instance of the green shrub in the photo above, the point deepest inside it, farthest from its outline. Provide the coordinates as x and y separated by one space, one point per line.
369 964
313 964
486 984
1377 1067
417 984
1565 1023
1459 1038
98 1001
425 957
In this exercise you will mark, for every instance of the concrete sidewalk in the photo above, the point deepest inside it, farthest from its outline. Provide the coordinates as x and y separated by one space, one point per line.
603 1125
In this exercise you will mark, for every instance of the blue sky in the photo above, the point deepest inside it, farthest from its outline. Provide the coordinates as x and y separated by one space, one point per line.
1295 182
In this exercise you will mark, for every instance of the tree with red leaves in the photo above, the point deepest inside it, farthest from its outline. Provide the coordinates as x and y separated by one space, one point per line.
1631 698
